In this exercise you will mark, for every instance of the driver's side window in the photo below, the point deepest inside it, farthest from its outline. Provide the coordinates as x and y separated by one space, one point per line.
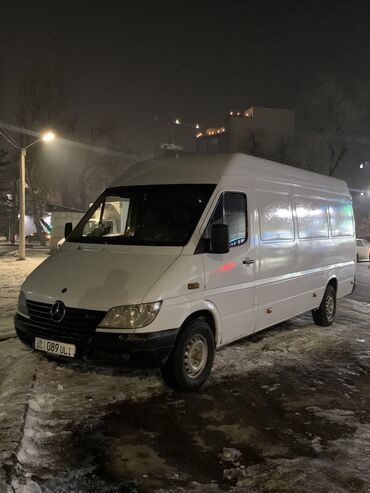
231 209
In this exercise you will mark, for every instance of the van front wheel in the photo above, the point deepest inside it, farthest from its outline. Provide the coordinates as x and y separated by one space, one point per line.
191 359
325 314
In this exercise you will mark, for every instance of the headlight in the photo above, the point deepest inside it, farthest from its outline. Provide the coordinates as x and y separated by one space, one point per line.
22 304
131 316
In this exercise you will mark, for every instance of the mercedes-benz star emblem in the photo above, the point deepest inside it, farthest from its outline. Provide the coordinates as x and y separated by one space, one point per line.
57 311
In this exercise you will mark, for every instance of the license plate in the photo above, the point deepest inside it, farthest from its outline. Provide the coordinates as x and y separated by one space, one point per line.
55 347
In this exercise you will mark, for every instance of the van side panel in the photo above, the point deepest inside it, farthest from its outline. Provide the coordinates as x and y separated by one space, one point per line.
295 266
276 284
321 256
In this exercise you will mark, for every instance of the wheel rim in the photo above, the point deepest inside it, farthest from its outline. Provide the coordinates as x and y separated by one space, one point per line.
330 307
196 355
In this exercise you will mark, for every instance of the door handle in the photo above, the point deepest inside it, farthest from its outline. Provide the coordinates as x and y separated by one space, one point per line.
248 261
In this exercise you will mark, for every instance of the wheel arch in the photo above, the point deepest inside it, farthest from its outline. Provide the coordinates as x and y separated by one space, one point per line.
333 281
209 315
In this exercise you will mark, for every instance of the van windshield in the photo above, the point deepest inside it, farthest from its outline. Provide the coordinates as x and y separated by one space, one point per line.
144 215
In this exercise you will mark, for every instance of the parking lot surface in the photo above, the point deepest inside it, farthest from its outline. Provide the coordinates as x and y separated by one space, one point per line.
293 400
362 292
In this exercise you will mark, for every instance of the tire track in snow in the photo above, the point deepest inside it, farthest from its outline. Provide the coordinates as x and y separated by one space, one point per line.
17 368
64 397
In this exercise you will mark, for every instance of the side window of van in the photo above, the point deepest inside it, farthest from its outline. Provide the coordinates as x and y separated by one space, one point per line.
231 209
312 218
275 216
341 219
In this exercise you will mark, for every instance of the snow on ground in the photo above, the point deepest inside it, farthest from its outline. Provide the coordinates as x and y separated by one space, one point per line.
293 400
17 371
12 274
43 404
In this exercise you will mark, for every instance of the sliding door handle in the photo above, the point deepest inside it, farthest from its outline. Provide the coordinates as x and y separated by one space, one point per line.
248 261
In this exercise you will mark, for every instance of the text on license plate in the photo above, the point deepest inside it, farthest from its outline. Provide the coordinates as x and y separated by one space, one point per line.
55 347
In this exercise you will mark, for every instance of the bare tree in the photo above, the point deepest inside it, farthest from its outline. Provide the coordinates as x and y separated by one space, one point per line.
8 194
42 100
281 151
95 166
84 167
91 164
252 143
337 117
4 183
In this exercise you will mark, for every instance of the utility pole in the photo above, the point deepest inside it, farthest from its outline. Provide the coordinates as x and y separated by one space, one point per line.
22 205
47 137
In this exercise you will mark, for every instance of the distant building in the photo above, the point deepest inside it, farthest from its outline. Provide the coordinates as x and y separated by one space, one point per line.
245 131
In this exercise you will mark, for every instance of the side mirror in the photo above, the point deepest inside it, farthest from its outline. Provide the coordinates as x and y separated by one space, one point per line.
67 229
219 238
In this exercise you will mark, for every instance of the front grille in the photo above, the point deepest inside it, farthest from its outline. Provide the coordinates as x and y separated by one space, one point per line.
77 325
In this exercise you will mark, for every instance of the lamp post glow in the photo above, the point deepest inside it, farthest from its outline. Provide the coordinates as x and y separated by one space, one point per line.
47 137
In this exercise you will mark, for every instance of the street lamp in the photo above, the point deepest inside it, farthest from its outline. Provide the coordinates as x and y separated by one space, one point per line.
46 137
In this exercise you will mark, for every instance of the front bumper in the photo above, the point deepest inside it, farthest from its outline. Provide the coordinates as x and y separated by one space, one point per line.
147 349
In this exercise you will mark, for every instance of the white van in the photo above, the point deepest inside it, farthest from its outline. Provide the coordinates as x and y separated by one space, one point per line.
188 254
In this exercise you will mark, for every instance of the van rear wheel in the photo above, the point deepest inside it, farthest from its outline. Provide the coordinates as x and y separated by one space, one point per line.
325 314
191 359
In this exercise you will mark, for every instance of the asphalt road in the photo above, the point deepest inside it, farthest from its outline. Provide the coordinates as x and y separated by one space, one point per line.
362 291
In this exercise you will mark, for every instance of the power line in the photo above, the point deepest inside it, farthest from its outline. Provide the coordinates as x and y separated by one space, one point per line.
10 140
8 135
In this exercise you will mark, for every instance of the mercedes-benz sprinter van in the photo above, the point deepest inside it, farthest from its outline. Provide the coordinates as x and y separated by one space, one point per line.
184 255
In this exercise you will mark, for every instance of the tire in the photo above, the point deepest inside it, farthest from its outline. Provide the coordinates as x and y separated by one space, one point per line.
357 258
324 315
191 359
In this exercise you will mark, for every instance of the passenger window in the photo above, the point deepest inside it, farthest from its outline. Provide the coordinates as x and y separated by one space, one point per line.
108 219
341 219
312 218
359 243
231 210
275 216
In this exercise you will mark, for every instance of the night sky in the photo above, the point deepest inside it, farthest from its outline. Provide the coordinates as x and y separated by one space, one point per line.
134 60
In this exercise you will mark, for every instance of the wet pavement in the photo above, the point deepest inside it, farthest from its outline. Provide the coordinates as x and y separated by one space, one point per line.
362 291
278 413
294 400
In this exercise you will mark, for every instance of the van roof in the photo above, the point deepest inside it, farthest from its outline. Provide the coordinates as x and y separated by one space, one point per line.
210 168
